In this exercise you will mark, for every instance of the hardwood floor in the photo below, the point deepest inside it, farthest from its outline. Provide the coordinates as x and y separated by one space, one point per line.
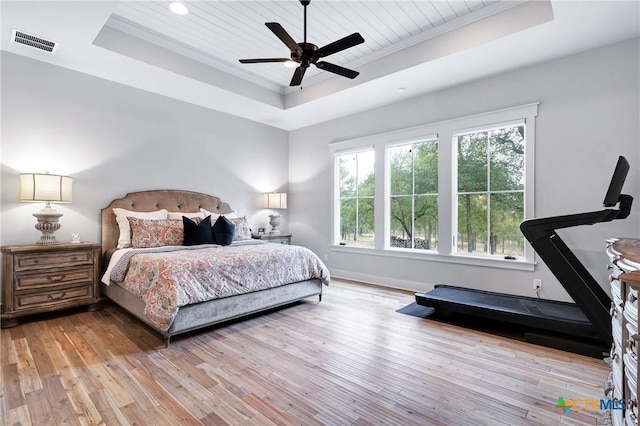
349 360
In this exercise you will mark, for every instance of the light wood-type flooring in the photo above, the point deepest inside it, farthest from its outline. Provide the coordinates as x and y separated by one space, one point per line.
348 360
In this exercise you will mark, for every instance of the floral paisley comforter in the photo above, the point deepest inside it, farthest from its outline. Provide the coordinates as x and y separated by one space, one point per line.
168 278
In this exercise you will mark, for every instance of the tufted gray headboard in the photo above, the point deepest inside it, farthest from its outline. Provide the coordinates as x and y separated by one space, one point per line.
146 201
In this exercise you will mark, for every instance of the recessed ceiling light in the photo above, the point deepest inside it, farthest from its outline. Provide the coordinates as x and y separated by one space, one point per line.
178 8
401 89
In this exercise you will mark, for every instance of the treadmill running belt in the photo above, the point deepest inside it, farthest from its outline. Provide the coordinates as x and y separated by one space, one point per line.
510 303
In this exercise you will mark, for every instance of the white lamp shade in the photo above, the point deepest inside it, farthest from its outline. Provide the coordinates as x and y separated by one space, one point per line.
275 200
44 187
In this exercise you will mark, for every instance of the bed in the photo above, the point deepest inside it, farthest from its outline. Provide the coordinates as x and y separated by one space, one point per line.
229 304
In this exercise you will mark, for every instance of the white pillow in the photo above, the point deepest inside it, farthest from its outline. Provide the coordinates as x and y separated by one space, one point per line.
124 240
190 215
215 216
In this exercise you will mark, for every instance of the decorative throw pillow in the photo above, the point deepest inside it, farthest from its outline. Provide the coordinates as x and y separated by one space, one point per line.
223 231
156 233
180 215
124 240
243 232
197 233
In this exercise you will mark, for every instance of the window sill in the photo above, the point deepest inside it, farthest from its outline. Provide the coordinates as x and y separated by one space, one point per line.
431 256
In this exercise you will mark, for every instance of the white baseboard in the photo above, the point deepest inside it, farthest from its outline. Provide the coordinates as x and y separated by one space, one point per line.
413 286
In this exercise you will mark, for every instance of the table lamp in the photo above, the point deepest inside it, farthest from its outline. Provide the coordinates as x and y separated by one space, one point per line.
36 187
275 200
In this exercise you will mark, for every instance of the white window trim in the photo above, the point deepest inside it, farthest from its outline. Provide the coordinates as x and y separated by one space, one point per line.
444 132
529 137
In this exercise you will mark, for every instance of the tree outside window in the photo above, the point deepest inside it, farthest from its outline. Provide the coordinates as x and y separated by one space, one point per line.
413 195
357 191
490 197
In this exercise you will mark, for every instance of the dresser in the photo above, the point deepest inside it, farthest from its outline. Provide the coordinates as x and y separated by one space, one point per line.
47 278
624 267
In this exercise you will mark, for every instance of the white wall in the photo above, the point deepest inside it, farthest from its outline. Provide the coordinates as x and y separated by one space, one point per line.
589 114
114 139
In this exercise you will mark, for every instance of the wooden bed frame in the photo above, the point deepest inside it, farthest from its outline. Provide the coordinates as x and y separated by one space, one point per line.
203 314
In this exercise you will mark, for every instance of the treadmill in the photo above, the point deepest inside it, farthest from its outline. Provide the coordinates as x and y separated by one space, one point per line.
582 327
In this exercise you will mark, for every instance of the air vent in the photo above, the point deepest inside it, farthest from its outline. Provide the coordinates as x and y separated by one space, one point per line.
33 41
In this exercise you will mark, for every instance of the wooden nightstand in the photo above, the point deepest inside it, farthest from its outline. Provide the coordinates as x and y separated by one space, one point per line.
39 279
273 238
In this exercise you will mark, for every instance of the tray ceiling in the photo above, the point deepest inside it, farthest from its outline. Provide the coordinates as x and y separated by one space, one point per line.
412 47
218 33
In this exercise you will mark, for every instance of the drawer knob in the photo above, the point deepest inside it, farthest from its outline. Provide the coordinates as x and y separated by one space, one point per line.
608 390
51 297
57 278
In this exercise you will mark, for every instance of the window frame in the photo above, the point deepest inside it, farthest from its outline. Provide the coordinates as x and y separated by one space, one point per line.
454 166
447 172
336 198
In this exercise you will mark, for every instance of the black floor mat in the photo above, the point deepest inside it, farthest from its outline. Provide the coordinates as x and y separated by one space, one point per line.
416 310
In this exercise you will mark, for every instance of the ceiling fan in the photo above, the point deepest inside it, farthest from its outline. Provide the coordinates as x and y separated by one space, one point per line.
306 54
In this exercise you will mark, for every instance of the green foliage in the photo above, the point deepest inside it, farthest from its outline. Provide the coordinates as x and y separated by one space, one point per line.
357 190
490 193
414 199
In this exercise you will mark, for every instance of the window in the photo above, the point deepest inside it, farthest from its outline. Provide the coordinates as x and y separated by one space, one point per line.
356 179
453 191
413 195
490 191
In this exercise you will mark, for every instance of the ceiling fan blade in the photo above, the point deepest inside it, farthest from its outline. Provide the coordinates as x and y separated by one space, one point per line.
296 80
338 45
284 36
259 61
337 69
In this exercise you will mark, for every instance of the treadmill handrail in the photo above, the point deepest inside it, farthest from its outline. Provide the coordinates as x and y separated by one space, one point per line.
534 229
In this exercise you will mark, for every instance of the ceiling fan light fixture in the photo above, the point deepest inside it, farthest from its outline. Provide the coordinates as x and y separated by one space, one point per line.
178 8
290 64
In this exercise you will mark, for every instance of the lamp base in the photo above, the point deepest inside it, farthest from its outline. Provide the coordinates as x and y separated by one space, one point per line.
274 222
47 240
47 224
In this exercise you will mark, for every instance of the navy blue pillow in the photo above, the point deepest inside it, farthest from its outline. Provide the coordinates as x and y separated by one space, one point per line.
223 231
197 233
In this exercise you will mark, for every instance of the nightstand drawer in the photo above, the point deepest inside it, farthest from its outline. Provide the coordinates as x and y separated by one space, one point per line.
273 238
30 261
53 297
279 240
26 281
